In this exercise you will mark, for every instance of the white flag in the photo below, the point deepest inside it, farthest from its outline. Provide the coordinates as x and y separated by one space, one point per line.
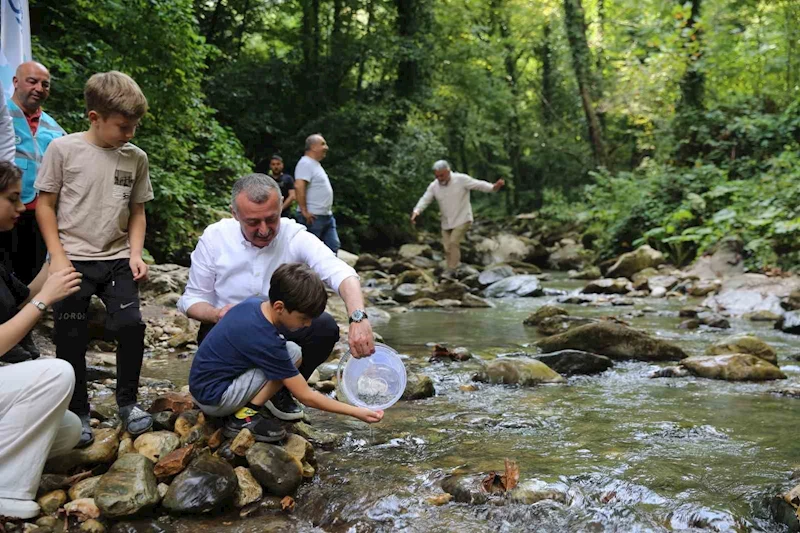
15 40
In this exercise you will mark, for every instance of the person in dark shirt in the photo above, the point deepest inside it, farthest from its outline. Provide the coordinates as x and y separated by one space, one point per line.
34 421
244 361
285 182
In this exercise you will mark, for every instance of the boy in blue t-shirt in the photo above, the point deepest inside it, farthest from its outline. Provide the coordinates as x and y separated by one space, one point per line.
244 361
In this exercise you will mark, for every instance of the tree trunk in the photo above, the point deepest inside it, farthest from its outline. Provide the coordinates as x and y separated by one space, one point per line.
501 25
363 52
693 81
414 21
548 75
575 23
212 26
242 28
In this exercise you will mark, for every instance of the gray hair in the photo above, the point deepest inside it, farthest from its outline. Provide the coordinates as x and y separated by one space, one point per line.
257 187
313 139
441 165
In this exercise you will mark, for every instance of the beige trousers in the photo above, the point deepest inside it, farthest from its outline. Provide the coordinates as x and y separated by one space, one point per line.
34 422
451 240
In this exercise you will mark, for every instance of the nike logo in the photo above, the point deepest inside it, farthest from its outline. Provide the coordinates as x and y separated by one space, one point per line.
127 305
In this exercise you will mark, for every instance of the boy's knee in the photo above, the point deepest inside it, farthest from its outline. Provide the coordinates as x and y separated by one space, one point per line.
129 320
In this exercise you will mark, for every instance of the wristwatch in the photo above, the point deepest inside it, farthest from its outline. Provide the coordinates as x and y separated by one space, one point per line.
40 305
358 315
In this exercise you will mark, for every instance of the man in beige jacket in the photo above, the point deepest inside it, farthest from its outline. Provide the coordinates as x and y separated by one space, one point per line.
451 190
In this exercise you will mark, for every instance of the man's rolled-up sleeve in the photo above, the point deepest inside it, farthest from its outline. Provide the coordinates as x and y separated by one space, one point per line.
202 275
306 248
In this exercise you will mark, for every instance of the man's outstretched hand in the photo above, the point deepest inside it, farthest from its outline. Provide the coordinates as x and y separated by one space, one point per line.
498 185
361 340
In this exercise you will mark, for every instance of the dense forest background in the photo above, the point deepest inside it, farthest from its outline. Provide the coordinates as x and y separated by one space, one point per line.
675 123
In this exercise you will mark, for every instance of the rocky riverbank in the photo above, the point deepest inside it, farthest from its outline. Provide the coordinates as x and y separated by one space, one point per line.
155 474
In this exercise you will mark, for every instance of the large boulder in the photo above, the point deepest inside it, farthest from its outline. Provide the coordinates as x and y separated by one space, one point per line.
277 471
732 367
545 311
102 451
608 286
748 293
207 484
465 489
494 274
632 262
574 362
166 278
559 324
410 251
723 261
588 273
792 302
470 300
128 487
744 344
449 290
416 276
518 371
501 248
156 444
408 292
515 286
567 255
789 323
418 386
613 340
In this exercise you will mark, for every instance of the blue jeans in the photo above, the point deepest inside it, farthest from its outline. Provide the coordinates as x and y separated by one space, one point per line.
324 227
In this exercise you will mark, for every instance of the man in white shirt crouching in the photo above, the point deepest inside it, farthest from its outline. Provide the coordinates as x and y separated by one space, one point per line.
235 258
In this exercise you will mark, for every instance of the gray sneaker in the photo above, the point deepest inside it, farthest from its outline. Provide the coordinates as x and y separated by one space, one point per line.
87 437
135 420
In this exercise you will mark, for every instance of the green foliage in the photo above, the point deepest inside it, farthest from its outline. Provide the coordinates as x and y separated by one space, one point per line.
488 85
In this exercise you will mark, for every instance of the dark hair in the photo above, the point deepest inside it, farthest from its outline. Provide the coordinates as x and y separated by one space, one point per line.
9 175
299 288
276 157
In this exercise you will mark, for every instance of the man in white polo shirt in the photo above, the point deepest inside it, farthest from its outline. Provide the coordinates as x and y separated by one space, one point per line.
314 192
451 190
235 258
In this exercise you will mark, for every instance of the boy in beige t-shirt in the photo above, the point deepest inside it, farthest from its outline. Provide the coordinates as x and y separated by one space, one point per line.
93 186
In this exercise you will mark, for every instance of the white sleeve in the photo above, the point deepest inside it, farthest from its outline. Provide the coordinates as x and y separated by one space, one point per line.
200 287
8 147
306 248
477 185
303 171
426 199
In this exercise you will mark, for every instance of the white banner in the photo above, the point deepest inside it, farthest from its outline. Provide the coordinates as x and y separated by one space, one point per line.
15 40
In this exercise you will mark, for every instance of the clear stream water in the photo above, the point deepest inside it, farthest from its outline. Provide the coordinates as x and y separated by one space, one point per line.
631 453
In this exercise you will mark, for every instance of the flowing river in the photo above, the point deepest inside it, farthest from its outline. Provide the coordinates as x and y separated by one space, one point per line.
630 453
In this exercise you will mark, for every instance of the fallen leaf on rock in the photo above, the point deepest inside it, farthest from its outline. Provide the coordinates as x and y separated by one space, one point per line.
608 497
287 504
498 484
440 499
491 483
441 352
511 477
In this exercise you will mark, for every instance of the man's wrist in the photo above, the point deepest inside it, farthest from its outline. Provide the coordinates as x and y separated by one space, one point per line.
357 316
